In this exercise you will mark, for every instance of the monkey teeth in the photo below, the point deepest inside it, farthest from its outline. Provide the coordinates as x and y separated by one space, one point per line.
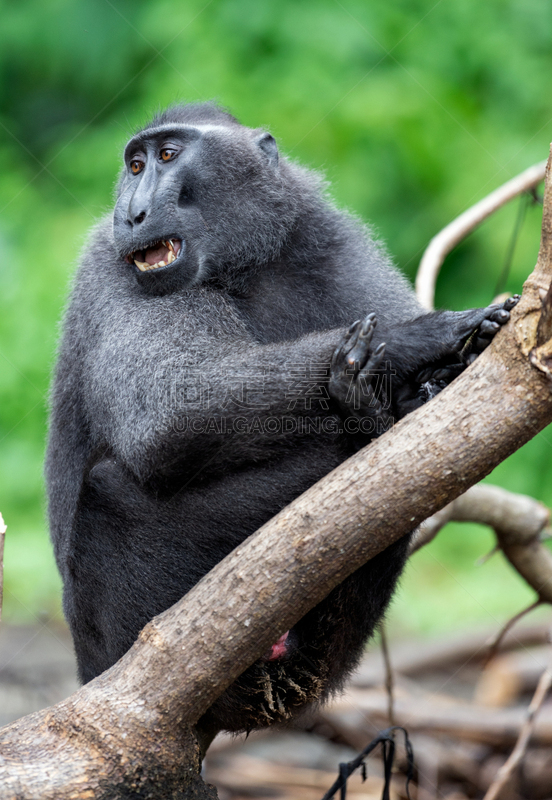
173 248
143 266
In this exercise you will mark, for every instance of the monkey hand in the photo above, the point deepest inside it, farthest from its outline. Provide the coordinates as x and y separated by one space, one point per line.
474 331
357 378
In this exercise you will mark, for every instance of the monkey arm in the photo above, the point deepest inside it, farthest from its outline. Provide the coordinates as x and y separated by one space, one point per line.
382 382
449 342
69 450
230 406
244 402
170 382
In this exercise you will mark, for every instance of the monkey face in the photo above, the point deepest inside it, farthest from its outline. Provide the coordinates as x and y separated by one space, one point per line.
193 204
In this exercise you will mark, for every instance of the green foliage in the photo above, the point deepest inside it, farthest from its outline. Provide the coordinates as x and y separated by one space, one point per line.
414 110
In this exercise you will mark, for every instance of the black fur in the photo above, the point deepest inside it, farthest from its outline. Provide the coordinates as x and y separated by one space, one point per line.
192 402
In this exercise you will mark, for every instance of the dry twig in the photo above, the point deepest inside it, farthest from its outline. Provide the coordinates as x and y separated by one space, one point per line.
497 641
514 760
389 678
355 715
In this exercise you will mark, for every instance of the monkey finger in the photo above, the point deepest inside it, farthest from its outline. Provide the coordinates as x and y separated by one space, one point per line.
345 344
480 344
374 362
361 350
511 302
488 328
360 353
447 373
350 343
371 404
501 315
424 375
369 321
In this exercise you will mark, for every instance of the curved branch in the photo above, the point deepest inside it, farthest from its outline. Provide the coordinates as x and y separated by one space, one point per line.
506 628
458 229
518 522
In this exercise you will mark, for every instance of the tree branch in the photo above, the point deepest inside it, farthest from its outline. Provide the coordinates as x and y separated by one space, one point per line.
518 522
447 239
515 757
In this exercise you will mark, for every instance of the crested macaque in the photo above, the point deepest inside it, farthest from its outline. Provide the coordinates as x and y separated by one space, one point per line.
231 337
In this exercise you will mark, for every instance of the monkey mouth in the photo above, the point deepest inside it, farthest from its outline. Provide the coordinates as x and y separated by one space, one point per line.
158 255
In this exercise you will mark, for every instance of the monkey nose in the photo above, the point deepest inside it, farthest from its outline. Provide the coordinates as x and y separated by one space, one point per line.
138 207
135 218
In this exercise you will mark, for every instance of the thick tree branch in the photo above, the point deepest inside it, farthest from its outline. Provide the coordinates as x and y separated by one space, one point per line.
130 729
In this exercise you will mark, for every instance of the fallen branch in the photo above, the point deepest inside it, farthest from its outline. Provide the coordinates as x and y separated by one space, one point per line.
444 653
244 775
513 761
360 713
447 239
510 676
506 628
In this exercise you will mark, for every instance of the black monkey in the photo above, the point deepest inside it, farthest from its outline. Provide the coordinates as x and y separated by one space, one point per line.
208 374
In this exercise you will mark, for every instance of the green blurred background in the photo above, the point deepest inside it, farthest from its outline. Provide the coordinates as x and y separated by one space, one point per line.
413 109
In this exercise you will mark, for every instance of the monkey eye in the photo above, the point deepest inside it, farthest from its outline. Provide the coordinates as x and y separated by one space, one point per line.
167 153
136 166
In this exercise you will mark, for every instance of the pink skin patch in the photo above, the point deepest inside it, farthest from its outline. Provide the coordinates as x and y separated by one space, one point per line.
277 650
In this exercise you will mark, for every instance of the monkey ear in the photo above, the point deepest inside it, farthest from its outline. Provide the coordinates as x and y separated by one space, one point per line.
267 144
